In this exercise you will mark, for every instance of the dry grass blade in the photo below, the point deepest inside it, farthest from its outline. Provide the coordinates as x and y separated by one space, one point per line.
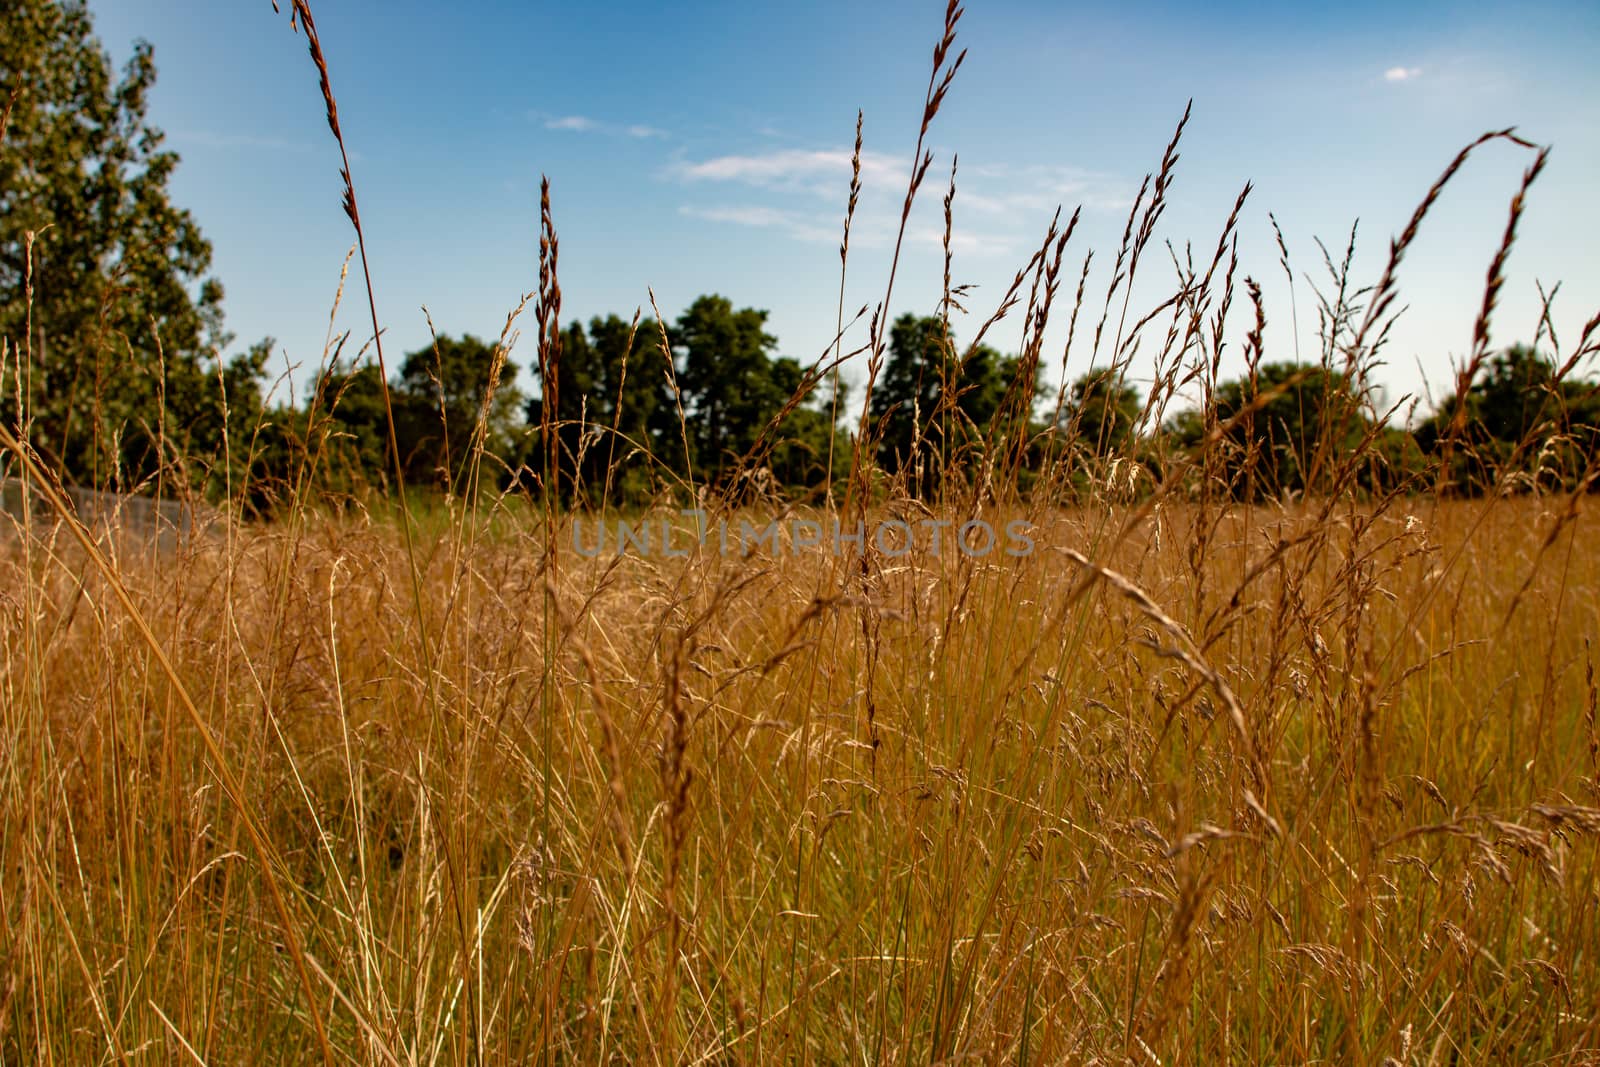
261 843
1185 650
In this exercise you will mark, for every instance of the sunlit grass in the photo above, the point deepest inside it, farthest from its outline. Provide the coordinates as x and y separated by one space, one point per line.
1214 773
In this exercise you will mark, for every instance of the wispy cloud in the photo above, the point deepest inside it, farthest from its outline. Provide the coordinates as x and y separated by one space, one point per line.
575 123
1402 74
1030 191
994 190
825 172
800 193
868 233
585 124
966 242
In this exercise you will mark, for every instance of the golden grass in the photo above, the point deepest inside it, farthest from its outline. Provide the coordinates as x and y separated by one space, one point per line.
1032 834
1198 780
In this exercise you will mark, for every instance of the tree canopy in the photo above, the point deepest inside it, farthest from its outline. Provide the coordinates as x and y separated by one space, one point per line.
1280 428
104 290
933 402
1520 416
1103 412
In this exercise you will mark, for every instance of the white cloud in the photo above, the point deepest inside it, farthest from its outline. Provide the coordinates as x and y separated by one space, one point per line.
990 170
874 233
576 123
1402 74
782 191
1028 194
1004 203
995 190
962 241
585 124
822 171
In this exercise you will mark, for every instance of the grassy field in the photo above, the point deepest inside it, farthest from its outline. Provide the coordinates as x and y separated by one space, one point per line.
1278 785
1211 774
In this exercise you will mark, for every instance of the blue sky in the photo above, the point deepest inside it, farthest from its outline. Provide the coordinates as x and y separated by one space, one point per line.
704 148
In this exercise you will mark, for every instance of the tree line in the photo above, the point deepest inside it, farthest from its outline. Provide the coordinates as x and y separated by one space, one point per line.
113 370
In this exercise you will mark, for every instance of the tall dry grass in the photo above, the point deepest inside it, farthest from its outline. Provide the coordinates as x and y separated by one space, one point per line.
1201 779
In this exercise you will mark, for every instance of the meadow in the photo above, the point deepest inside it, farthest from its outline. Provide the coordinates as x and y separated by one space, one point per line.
1213 773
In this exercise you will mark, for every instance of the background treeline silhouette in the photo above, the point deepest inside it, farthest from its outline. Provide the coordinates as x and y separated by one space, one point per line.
632 426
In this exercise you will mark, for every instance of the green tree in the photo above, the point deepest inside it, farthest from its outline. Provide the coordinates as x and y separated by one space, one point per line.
802 443
906 396
631 384
577 386
726 375
443 390
1103 412
1516 418
607 382
1287 429
932 403
356 449
103 286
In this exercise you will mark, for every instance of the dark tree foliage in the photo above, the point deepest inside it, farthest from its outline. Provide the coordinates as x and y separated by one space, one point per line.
443 392
935 404
613 400
726 374
1102 413
103 285
802 445
1286 430
618 420
438 403
1517 419
907 394
354 427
